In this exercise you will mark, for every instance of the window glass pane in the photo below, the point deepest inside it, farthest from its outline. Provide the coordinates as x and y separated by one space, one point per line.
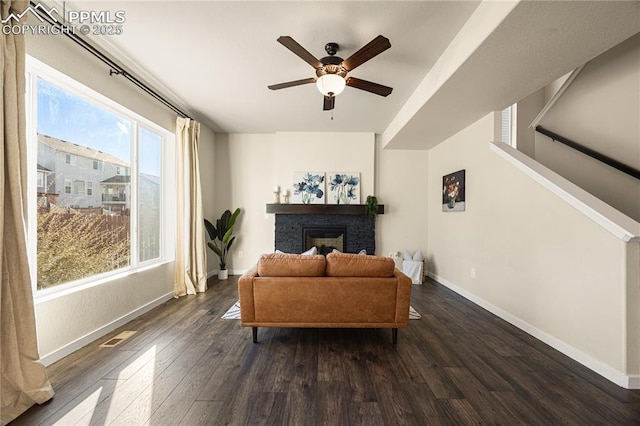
150 164
81 232
506 125
78 186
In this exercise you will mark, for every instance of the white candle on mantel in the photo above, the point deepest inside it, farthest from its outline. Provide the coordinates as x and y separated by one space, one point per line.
286 192
276 189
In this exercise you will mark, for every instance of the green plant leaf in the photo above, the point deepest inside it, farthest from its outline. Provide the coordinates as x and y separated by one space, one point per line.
215 249
225 238
219 233
232 219
211 230
230 242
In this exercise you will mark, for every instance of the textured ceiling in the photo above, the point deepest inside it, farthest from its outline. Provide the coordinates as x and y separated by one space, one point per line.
217 58
450 62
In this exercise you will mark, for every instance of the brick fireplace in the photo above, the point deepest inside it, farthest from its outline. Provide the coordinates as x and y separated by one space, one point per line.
346 228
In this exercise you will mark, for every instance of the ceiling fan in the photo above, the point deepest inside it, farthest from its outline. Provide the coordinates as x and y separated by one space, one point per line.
331 71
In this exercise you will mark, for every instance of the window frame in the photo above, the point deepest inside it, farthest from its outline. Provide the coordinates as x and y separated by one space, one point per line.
40 179
36 69
70 159
511 127
77 184
68 186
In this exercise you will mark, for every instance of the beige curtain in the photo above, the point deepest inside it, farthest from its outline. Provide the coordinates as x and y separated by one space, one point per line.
24 379
191 255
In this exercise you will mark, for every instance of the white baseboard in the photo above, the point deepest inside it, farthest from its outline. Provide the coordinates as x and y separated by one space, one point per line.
605 370
68 349
214 273
633 382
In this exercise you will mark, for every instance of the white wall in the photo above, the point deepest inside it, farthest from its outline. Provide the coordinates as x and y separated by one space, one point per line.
249 166
326 152
206 155
245 174
600 110
68 321
402 185
538 262
527 110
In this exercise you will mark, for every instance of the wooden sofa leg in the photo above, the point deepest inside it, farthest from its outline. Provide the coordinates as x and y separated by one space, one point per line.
394 333
255 334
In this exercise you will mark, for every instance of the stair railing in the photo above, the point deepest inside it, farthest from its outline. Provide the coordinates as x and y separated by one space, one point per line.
631 171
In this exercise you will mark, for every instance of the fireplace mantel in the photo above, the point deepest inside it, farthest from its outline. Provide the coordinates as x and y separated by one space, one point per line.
337 209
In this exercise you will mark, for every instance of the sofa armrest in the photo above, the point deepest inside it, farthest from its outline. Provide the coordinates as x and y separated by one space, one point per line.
403 300
245 293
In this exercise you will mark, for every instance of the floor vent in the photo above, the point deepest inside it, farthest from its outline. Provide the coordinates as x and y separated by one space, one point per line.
116 340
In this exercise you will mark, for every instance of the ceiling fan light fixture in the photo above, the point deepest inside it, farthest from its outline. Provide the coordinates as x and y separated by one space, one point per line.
331 84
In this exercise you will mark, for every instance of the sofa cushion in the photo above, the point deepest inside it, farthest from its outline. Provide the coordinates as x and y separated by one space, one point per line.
356 265
291 265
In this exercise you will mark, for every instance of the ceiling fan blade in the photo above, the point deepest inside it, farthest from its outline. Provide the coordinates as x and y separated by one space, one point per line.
329 103
369 86
368 51
293 46
292 83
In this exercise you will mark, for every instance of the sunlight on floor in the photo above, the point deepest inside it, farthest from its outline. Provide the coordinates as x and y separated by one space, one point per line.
127 390
84 408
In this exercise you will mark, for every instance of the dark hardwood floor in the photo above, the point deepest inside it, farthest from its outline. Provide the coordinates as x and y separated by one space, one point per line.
459 364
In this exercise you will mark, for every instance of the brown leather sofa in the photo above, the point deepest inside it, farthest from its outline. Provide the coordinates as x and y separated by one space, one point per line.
341 290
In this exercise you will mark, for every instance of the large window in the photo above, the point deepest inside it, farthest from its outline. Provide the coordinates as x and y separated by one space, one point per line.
106 171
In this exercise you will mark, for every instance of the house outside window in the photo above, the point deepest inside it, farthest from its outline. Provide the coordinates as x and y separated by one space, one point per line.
107 213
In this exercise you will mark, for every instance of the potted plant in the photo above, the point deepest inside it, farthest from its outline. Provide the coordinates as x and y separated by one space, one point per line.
222 231
371 207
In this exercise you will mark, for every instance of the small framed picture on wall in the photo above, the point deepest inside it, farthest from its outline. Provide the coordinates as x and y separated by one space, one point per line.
453 192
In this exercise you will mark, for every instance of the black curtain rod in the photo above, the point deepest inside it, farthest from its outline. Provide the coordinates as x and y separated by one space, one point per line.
591 153
114 67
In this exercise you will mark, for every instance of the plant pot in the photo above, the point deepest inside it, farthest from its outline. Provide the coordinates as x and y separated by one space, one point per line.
223 274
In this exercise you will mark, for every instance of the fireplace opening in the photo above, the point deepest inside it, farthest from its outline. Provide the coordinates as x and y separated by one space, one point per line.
325 239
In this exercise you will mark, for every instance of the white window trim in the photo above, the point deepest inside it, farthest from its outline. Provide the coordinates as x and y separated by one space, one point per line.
76 191
35 69
70 186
